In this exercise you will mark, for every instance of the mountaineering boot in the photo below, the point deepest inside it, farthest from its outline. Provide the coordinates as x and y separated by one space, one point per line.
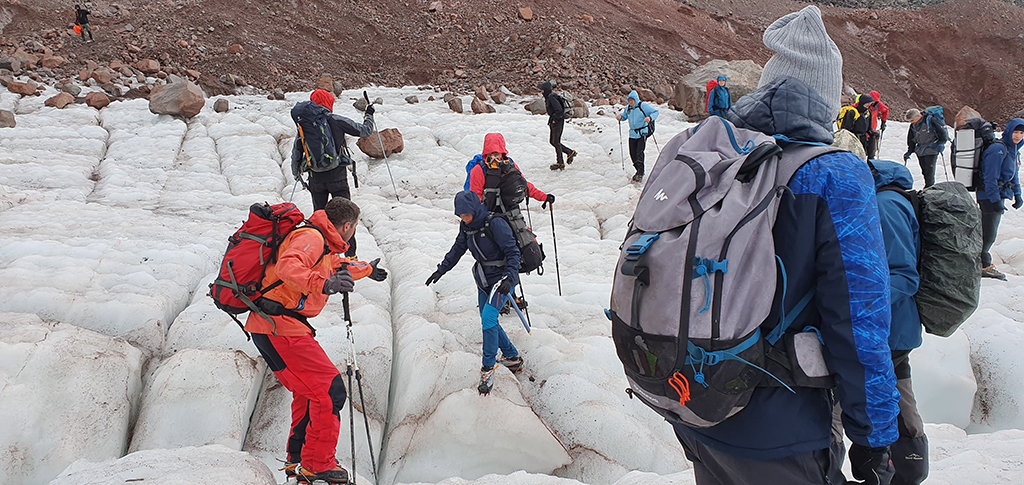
514 364
570 157
557 166
486 382
991 272
638 177
335 475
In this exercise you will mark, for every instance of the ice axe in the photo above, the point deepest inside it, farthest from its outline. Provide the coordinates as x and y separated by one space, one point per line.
382 151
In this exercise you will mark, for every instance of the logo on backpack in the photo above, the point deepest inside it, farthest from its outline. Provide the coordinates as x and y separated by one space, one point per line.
700 365
319 149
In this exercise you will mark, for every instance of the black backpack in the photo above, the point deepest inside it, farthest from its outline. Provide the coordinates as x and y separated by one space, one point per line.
504 189
649 131
968 158
318 147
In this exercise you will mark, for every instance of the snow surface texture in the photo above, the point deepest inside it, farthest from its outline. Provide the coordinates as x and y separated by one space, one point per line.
114 222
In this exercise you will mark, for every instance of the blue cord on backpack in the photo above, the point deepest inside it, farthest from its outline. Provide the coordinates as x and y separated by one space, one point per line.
702 268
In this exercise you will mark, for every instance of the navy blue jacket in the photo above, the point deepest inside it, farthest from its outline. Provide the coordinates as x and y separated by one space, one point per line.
999 168
828 236
720 101
496 244
901 234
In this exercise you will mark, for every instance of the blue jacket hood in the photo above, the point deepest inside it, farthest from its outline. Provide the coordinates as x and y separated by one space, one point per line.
889 173
634 97
467 202
788 107
721 78
1008 132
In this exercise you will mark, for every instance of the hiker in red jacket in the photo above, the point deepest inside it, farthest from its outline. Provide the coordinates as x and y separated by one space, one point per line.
879 115
494 146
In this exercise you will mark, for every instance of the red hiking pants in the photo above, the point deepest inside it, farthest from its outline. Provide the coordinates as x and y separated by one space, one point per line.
318 394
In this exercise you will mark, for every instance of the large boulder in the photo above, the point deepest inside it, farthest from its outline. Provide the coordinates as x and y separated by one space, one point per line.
499 97
103 75
478 106
60 101
28 61
26 88
179 98
325 83
393 143
537 107
97 100
455 104
691 93
580 109
7 119
52 62
481 93
148 66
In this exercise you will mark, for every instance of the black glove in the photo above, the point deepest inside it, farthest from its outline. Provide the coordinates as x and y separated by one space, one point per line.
906 157
1017 202
871 465
434 278
505 286
378 274
341 282
369 110
550 199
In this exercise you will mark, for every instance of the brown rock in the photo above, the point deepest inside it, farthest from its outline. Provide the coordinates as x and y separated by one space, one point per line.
448 97
481 93
455 104
7 119
52 62
392 139
192 73
338 88
70 88
221 106
84 75
965 114
478 106
28 61
115 64
537 107
97 100
490 109
10 64
26 89
235 49
601 102
526 13
580 109
177 98
141 92
148 66
5 80
126 71
325 83
91 65
646 95
587 19
499 97
103 75
435 7
60 101
412 99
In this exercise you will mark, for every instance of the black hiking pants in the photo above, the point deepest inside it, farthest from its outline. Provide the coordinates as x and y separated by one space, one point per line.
928 168
556 140
636 153
713 467
334 183
989 229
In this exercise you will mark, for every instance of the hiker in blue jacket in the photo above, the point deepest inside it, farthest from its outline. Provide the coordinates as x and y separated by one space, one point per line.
492 244
999 174
828 238
719 101
640 116
901 234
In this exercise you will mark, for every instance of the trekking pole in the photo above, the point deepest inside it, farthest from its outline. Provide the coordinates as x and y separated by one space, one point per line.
382 151
351 422
943 157
622 156
529 219
359 386
554 240
293 190
656 144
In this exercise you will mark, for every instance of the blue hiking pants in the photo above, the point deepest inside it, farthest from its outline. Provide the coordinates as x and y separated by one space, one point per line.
494 335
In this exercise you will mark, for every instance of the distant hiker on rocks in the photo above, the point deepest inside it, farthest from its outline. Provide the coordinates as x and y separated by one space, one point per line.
879 116
641 118
492 244
999 165
829 244
82 21
719 100
926 137
321 150
901 234
495 156
307 271
857 119
556 123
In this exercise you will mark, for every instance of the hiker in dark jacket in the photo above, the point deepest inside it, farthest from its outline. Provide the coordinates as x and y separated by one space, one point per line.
639 115
82 20
719 100
901 234
926 138
999 165
332 183
556 122
828 238
492 244
857 119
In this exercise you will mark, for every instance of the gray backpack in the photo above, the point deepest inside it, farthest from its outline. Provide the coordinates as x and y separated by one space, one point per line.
697 274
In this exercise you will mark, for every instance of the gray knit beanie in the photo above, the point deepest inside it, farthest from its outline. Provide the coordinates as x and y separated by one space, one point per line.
803 50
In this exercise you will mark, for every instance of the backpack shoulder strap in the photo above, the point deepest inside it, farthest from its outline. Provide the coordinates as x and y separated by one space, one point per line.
795 155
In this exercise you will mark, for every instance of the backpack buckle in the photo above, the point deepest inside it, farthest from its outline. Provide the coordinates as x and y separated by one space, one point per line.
641 245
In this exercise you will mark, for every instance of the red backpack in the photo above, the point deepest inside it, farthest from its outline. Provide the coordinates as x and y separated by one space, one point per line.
253 246
712 84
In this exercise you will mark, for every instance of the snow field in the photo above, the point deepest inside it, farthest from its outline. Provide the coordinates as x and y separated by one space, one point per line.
126 240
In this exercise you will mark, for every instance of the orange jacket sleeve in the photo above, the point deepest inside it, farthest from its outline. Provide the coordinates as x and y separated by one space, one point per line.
296 265
358 269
